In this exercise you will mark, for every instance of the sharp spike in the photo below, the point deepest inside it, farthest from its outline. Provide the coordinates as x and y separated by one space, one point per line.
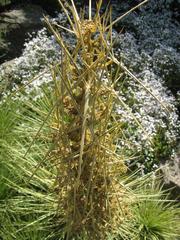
125 14
90 10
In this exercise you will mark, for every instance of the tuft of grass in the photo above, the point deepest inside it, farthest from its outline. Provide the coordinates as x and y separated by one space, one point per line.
156 220
153 216
8 122
27 204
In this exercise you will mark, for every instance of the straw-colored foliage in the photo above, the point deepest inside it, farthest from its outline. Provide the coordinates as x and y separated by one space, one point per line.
86 128
85 131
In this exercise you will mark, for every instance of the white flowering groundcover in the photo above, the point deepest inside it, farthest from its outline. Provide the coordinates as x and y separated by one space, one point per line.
148 49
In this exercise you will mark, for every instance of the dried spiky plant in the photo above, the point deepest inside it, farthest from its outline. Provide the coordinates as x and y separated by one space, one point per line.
86 128
83 191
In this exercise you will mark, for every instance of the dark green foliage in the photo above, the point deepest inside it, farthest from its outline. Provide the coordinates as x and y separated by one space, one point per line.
4 2
49 5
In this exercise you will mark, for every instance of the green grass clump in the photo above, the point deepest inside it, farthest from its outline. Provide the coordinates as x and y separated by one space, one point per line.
156 220
27 203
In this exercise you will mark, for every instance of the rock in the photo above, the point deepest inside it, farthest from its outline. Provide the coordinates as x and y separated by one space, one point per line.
171 172
14 28
6 69
7 66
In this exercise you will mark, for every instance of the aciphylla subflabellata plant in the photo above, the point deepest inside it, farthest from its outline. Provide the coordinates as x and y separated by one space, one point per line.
86 127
